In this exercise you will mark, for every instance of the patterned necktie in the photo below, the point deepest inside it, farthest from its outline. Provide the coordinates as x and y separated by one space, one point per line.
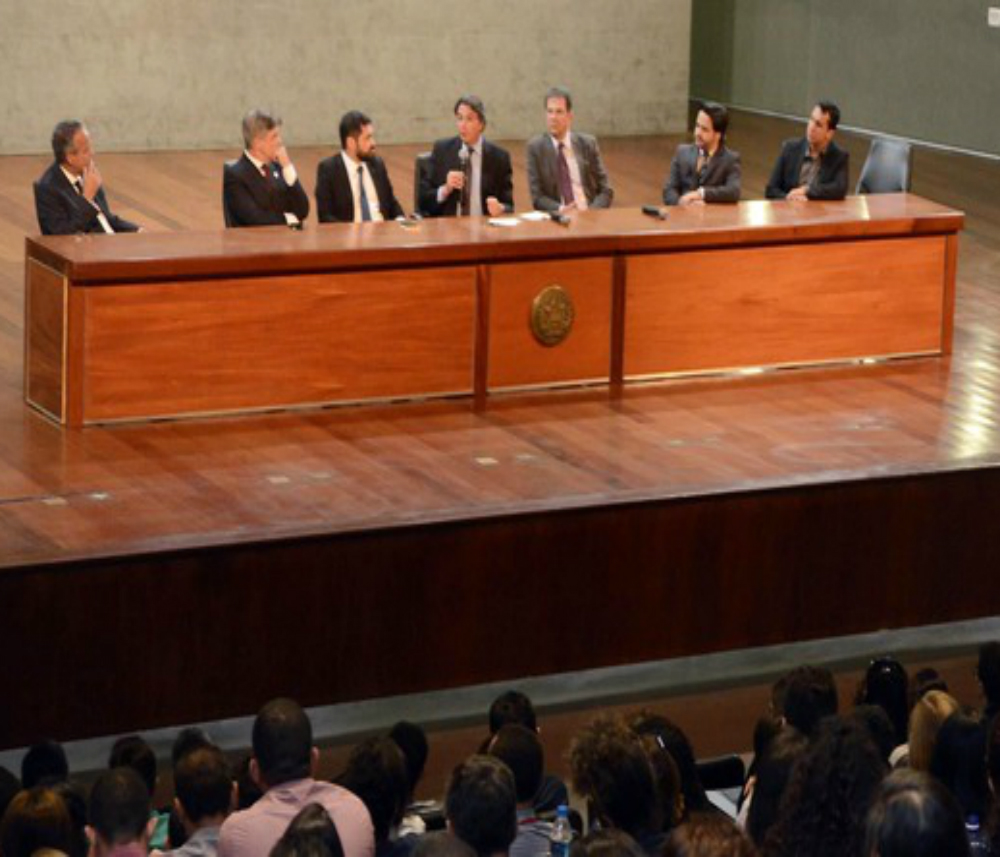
565 182
366 211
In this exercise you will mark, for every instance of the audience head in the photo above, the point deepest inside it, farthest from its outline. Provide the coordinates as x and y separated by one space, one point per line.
606 842
470 117
774 770
43 764
37 818
357 135
441 843
520 749
610 769
676 743
204 786
376 773
958 761
887 686
810 695
831 787
412 740
929 712
133 752
710 126
924 681
188 739
76 804
282 743
667 780
880 729
988 672
914 816
512 707
481 805
119 810
311 833
262 134
708 835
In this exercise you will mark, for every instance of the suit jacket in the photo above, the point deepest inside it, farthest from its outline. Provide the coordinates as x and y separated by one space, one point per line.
252 200
721 178
497 178
63 211
334 199
829 183
543 172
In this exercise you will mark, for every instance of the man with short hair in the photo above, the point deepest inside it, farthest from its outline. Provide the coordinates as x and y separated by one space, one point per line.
810 696
705 171
283 764
812 167
119 815
205 795
262 188
69 197
354 186
520 749
565 170
481 805
468 174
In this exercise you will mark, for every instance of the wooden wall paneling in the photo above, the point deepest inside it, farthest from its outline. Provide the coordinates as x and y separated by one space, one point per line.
45 335
948 308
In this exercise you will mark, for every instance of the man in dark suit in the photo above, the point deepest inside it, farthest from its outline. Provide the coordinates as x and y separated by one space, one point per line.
812 167
565 170
262 188
706 171
354 186
468 174
69 197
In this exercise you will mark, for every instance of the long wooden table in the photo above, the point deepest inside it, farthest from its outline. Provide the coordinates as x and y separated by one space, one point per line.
154 325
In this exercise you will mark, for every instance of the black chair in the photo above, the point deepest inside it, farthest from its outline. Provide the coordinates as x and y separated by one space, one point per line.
887 168
227 215
721 772
421 173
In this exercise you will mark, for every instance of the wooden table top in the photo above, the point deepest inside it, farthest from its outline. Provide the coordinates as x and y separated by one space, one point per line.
178 255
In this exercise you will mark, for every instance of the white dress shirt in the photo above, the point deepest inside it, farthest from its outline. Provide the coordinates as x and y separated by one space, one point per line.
370 192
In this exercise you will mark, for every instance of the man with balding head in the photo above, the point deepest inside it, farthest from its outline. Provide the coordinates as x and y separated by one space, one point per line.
284 760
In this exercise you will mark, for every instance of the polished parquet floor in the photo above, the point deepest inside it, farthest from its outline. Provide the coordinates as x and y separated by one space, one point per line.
130 488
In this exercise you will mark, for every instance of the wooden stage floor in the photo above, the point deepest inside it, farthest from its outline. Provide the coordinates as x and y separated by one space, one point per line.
138 490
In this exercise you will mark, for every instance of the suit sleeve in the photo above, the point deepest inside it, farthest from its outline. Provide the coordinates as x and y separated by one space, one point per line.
394 209
729 190
55 217
776 186
119 224
538 198
244 208
505 182
296 199
836 186
429 187
672 189
605 193
324 193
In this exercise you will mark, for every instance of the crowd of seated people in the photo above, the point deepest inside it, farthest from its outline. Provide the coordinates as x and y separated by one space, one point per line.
905 769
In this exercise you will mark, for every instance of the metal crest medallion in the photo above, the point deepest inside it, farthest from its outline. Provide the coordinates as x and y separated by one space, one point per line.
552 315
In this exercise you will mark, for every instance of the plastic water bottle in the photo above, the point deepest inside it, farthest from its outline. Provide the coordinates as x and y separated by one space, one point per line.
977 841
562 834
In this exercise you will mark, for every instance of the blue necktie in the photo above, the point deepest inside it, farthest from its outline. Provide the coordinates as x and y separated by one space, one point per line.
366 211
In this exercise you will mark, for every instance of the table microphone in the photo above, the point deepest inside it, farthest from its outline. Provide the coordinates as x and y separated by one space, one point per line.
561 219
654 211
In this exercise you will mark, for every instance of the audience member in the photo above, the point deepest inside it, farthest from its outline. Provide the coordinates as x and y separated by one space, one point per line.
283 763
481 805
676 743
376 773
886 685
668 781
810 695
131 751
520 749
610 769
988 673
188 739
311 833
914 816
708 835
929 712
824 808
37 818
773 775
119 814
410 738
880 730
43 764
959 763
924 681
606 843
205 795
76 804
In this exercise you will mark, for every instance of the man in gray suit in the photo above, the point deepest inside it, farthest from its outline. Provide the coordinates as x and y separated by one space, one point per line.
706 171
565 170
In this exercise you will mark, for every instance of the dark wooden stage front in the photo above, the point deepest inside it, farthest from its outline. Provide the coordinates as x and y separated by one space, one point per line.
171 572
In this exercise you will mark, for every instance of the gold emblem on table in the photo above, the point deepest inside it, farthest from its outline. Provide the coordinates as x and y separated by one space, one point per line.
552 315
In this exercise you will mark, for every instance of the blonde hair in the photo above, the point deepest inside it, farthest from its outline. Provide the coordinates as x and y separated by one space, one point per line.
929 712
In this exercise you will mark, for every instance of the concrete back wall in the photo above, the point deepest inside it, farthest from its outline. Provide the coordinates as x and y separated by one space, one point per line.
153 74
924 69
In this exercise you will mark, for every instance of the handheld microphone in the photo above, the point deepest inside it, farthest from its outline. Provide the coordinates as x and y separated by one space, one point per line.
654 211
463 157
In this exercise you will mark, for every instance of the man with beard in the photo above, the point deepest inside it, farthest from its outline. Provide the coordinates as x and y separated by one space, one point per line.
354 186
705 171
812 167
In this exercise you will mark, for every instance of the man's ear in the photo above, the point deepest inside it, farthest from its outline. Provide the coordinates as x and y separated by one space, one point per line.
150 829
313 762
234 797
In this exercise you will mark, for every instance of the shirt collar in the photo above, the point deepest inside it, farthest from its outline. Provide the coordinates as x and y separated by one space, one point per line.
477 147
567 141
72 179
260 165
350 162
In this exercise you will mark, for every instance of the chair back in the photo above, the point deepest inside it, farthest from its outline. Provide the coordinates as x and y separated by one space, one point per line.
887 168
721 772
227 215
421 173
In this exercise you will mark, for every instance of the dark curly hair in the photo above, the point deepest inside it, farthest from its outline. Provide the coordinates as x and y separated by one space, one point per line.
676 743
823 811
